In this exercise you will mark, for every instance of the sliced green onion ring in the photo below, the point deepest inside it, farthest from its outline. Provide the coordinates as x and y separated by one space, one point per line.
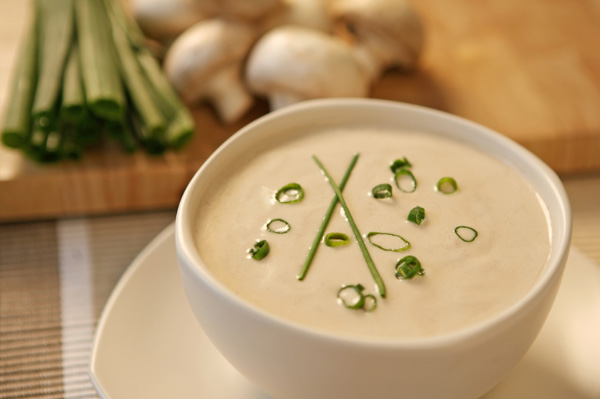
408 267
416 215
336 240
399 249
403 174
399 164
469 234
381 191
281 230
351 296
260 250
290 194
447 185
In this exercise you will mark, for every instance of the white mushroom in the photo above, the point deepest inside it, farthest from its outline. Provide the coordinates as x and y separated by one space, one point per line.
385 33
205 62
290 64
163 20
249 11
312 14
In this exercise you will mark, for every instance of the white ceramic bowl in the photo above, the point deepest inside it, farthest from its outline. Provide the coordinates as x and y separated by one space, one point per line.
290 361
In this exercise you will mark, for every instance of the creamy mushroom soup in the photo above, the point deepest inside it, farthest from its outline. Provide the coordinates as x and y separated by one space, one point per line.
480 248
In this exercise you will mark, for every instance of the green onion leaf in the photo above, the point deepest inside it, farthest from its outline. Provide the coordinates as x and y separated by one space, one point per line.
382 191
99 68
55 30
399 164
283 228
315 244
447 185
399 249
290 194
370 264
336 240
466 233
181 125
72 108
260 250
405 180
138 88
408 267
16 121
416 215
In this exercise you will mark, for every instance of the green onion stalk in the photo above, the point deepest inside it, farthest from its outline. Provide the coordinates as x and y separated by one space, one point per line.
83 73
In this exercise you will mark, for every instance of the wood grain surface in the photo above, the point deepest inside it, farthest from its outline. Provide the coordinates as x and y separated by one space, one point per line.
528 69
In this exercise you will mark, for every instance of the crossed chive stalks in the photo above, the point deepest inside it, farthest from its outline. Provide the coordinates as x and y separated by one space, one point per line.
361 243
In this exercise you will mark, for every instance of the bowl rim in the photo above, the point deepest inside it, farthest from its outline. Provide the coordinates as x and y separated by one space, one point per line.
555 264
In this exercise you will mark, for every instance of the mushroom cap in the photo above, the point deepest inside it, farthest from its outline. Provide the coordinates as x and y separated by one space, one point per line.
203 50
390 28
242 10
305 62
312 14
165 19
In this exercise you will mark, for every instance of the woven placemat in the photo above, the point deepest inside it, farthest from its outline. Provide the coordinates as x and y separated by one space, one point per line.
55 278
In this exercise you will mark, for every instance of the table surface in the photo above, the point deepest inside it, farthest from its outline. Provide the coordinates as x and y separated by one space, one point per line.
46 336
56 275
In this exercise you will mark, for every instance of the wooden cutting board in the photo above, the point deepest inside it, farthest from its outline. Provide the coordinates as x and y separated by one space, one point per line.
528 69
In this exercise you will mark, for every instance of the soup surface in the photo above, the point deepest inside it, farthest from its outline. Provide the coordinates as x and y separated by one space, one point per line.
463 282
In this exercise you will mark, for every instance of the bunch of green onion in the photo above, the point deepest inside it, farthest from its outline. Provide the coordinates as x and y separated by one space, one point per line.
83 73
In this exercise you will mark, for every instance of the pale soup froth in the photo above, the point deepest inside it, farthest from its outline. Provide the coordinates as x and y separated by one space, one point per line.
464 282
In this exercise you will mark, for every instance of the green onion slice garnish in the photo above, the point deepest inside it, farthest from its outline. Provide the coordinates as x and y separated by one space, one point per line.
405 180
399 249
408 267
260 250
466 233
278 226
399 164
290 194
352 297
336 240
416 215
382 191
447 185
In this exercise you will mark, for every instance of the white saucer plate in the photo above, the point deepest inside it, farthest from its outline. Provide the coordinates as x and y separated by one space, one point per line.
148 344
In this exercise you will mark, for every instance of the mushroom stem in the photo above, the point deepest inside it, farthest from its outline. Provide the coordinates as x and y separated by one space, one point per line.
228 94
384 33
205 62
369 62
280 99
